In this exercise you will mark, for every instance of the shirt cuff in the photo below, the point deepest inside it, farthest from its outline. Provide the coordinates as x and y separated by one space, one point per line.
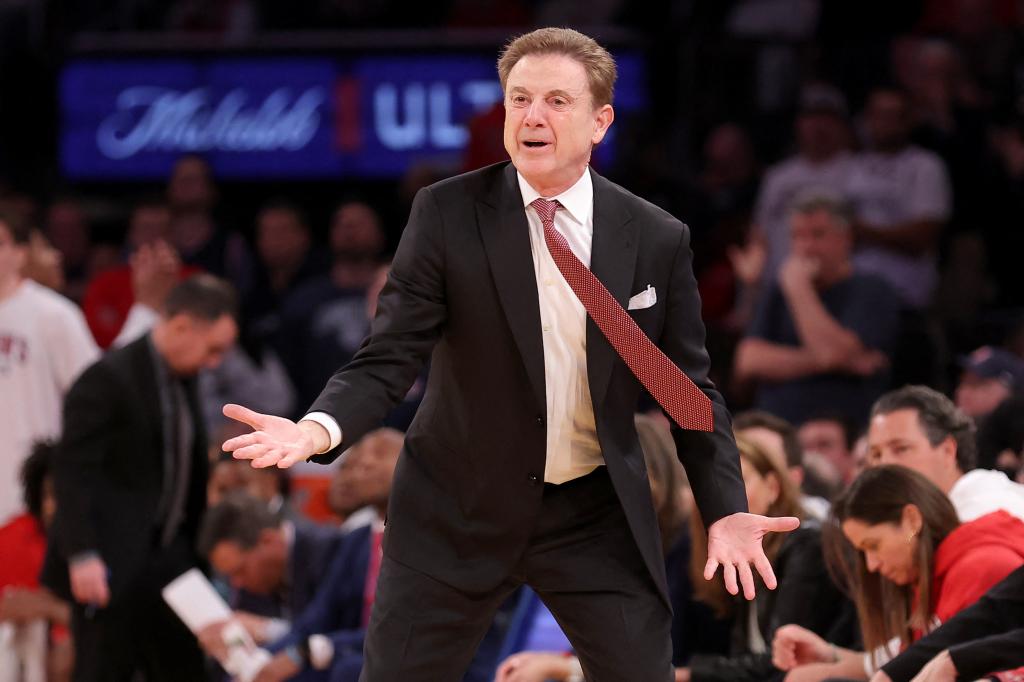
276 629
328 422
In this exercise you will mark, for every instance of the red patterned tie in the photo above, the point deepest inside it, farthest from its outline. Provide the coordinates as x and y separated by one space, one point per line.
685 403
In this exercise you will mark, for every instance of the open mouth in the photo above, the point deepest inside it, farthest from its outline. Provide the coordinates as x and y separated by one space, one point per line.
534 144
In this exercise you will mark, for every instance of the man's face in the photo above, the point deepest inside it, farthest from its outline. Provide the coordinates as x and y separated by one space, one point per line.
551 122
196 344
259 569
978 396
12 255
817 236
827 438
820 135
373 467
149 224
281 239
356 231
887 121
191 186
897 438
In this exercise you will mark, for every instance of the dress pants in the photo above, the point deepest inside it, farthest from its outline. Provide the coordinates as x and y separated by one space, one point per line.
584 564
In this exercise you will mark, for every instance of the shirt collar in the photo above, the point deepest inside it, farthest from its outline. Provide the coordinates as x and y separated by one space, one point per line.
578 200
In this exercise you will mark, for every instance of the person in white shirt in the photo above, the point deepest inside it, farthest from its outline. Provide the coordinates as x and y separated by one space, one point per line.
44 345
901 197
921 429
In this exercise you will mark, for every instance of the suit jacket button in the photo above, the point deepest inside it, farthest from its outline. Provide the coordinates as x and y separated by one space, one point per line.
534 479
540 421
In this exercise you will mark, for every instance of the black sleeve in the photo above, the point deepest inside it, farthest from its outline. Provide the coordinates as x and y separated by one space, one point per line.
999 611
989 654
89 422
711 460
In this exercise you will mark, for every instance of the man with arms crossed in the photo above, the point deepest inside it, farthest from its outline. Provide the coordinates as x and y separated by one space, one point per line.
522 464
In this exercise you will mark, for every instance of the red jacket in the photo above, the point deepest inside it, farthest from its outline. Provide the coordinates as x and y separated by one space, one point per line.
973 558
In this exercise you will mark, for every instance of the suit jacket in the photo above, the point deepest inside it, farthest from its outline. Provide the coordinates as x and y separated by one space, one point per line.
109 472
462 290
337 607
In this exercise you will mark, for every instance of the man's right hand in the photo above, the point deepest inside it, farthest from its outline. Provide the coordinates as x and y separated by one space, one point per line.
274 440
89 581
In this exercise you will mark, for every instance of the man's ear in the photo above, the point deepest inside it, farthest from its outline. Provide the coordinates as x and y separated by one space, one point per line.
603 117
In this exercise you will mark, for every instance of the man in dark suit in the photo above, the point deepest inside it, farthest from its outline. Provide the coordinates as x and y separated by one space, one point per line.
130 485
274 565
522 464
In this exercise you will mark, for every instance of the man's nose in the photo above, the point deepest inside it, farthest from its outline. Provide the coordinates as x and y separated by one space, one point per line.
534 114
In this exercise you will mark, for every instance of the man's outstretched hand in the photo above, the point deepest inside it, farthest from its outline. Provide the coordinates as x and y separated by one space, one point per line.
734 542
274 440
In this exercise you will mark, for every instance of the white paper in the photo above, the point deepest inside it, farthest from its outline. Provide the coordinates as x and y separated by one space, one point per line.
193 598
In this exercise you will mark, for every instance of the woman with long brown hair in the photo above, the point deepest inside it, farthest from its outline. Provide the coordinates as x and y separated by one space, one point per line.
895 541
805 593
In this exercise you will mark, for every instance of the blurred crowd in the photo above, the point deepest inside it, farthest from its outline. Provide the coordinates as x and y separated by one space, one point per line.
853 177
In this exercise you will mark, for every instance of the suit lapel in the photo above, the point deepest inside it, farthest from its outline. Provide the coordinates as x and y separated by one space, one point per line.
613 261
506 238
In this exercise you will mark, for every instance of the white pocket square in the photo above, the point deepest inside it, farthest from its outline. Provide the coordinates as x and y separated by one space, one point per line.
645 299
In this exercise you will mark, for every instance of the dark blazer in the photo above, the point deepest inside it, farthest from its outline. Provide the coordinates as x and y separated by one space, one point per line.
109 471
337 607
462 290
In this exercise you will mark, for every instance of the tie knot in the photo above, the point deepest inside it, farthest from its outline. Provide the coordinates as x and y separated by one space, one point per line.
546 209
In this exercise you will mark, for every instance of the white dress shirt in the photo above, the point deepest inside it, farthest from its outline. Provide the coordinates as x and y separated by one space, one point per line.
572 446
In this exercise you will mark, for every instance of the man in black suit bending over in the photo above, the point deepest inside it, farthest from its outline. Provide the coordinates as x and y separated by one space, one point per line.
130 484
547 296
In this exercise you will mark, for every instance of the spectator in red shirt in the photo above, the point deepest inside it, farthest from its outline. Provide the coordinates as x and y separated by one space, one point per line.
23 603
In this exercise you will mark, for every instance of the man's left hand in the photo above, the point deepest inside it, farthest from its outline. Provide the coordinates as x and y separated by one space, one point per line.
734 542
939 669
279 668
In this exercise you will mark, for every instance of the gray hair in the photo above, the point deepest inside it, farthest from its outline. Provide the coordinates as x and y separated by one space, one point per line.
939 419
814 199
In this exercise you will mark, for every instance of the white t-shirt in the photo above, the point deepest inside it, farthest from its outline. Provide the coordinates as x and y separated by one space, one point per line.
983 491
782 183
890 189
44 345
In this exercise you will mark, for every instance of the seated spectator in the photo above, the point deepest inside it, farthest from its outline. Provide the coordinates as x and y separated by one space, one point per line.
919 428
820 337
33 622
67 227
778 439
829 435
909 564
274 566
981 639
901 200
990 392
805 594
822 160
329 632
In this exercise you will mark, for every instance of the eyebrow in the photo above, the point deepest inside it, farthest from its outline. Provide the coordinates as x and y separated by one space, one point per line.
550 93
